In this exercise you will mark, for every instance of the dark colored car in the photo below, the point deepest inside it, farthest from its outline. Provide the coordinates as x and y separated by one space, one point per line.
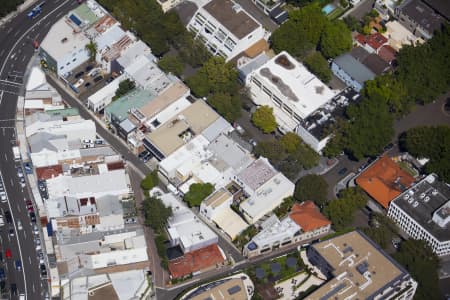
342 171
2 274
33 217
87 85
88 68
8 217
98 78
43 270
13 289
79 74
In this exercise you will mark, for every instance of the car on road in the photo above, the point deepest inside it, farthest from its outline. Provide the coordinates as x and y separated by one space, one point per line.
1 256
30 208
8 217
33 217
19 172
35 229
2 221
22 182
19 225
8 253
43 270
3 197
18 265
11 231
13 289
342 171
2 274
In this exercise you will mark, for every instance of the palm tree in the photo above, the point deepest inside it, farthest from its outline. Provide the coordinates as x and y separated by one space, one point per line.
91 47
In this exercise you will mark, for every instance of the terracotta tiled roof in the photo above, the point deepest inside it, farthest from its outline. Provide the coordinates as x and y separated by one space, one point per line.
384 181
194 261
115 166
308 216
375 40
387 53
44 173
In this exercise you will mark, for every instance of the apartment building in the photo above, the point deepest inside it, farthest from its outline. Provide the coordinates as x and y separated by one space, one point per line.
423 212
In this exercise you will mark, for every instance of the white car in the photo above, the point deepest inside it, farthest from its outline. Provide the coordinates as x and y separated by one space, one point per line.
3 198
2 221
19 225
38 247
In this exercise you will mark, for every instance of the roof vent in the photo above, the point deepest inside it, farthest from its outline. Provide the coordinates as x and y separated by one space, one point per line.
415 204
422 195
427 198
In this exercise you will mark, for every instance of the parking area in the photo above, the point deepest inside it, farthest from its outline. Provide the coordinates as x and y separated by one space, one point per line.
87 79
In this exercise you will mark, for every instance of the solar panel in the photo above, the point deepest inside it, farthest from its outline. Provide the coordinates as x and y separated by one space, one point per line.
234 289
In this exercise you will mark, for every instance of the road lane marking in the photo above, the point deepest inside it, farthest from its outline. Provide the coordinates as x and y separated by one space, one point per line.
7 82
6 158
29 259
12 182
18 207
1 52
25 234
34 290
1 99
17 32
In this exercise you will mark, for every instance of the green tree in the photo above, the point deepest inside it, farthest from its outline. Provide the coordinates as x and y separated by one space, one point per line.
301 33
353 24
91 47
335 39
290 142
423 265
341 211
389 90
432 143
272 150
318 65
9 6
150 181
124 87
197 193
171 63
156 213
229 106
382 230
215 76
264 119
312 187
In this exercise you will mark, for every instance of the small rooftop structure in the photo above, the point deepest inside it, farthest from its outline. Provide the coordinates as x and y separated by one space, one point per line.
374 41
384 180
118 110
357 70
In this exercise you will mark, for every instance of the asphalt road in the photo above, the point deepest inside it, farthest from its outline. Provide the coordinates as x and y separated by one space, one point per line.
16 38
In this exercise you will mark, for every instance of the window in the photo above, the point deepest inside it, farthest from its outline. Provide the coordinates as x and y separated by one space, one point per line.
74 59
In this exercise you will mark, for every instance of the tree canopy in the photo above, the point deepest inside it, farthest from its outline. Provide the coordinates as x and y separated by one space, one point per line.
156 213
382 230
172 64
264 119
318 65
308 29
432 143
312 187
9 6
423 265
215 76
335 39
290 142
229 106
124 87
150 181
91 47
197 193
341 211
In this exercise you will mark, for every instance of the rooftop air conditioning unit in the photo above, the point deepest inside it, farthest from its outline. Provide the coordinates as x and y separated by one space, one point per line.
427 198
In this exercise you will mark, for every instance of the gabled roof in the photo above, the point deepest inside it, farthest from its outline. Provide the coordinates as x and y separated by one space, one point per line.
375 40
308 216
384 181
387 53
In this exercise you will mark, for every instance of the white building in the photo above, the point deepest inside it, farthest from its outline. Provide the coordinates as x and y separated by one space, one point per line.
183 227
216 208
225 28
167 5
115 182
292 91
95 250
75 129
100 99
265 188
126 285
63 48
423 212
303 222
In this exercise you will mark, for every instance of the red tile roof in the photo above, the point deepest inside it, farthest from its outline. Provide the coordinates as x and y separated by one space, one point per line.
308 216
194 261
48 172
375 40
115 165
387 53
384 181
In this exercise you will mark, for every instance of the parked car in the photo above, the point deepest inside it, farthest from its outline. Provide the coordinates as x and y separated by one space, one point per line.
33 217
2 274
342 171
79 74
19 225
2 221
13 289
8 217
79 83
18 265
98 78
87 84
11 231
88 68
8 253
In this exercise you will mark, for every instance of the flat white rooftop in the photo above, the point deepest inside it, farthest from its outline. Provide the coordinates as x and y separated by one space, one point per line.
61 40
299 89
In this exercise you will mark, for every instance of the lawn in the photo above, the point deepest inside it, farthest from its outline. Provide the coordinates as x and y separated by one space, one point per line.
407 168
277 269
336 13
